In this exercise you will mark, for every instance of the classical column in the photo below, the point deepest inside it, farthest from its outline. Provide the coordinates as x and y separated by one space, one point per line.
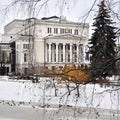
83 53
46 53
77 53
56 52
66 53
52 53
70 52
49 52
63 52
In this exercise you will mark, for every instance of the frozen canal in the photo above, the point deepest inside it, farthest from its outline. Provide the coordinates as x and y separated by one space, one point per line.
28 113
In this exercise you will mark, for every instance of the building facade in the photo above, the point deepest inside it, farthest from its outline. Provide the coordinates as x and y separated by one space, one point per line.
47 43
5 58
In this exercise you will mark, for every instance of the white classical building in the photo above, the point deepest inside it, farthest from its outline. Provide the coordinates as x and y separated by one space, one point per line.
47 43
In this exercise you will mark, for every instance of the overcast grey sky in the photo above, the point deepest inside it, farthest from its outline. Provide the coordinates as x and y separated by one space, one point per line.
74 10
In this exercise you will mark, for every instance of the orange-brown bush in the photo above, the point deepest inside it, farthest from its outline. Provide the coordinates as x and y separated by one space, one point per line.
73 74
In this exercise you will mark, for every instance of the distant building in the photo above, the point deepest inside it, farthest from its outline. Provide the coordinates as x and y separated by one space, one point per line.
5 58
47 43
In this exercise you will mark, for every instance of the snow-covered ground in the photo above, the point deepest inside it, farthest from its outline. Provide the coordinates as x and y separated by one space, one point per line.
50 99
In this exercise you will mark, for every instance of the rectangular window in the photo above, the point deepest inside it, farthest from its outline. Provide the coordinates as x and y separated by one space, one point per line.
66 31
87 56
55 58
25 70
61 57
3 56
68 57
76 32
49 30
70 31
56 30
62 31
26 46
25 57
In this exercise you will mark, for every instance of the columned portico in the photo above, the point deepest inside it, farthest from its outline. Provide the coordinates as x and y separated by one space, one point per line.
64 49
64 53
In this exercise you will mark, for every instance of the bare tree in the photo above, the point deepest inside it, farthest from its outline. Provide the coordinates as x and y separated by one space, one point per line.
33 8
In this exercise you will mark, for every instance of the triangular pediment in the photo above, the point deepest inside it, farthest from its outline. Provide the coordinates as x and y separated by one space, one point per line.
63 36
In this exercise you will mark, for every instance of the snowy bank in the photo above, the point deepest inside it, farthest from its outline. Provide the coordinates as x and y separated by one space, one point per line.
49 93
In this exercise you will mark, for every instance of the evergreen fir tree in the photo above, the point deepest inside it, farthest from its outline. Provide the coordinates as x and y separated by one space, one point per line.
102 44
